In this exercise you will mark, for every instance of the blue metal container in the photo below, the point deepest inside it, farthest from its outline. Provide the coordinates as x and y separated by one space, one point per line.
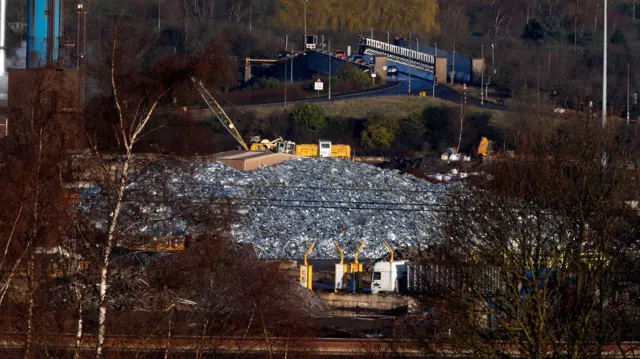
43 32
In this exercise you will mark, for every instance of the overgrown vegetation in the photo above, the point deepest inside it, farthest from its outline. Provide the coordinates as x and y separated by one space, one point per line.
406 15
545 263
310 115
265 83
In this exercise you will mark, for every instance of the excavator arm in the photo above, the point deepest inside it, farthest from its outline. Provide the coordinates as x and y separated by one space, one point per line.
484 148
219 112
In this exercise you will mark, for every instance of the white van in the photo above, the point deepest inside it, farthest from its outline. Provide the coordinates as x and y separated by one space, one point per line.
389 277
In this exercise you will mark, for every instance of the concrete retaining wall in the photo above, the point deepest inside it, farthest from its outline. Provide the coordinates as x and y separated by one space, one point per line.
364 301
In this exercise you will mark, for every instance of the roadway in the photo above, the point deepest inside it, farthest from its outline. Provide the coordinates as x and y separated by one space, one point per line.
401 88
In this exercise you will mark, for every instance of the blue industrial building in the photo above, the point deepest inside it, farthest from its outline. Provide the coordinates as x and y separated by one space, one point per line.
463 65
44 22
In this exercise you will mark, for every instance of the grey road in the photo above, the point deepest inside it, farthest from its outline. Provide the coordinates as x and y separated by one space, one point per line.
402 88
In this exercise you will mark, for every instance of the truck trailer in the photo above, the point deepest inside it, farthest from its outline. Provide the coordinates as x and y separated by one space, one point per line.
406 277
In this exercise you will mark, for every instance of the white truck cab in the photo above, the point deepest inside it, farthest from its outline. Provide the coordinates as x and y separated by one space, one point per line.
287 147
324 148
388 277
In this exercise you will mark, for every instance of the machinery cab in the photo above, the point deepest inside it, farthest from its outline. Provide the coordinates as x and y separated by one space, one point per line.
388 277
311 42
264 145
286 147
256 144
485 148
324 148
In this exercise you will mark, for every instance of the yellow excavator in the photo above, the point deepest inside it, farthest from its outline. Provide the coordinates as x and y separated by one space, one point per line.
258 144
487 151
485 148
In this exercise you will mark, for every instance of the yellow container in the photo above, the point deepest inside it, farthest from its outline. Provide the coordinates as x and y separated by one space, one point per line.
307 150
341 151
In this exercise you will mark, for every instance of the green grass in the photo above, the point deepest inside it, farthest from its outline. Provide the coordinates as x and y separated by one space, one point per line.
393 107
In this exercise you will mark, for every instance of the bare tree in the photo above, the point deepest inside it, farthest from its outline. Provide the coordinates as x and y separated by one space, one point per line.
537 246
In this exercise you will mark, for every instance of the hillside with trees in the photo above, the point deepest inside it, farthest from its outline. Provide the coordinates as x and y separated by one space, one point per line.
553 46
407 15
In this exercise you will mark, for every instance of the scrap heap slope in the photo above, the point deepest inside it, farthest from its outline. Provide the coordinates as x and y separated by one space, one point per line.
282 209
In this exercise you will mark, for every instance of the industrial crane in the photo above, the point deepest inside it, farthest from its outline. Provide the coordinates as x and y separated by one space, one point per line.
217 110
322 149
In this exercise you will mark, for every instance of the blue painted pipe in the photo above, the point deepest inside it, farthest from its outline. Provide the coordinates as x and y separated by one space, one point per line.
43 27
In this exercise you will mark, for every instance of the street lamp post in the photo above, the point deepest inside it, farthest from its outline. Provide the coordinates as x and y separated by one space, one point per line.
305 24
628 69
486 87
409 66
453 61
482 79
435 59
292 58
493 58
604 76
371 33
538 100
329 92
417 45
387 37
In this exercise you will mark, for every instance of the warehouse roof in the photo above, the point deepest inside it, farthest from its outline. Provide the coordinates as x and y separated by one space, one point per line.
250 160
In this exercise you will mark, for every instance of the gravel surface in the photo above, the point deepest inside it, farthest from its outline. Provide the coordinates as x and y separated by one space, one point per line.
282 209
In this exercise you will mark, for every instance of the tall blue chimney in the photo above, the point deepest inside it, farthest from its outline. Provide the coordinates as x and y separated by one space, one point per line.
43 32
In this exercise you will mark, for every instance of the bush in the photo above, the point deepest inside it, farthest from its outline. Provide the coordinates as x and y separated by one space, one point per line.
534 30
337 130
357 78
379 132
377 136
618 37
310 115
554 30
265 83
440 129
352 73
411 133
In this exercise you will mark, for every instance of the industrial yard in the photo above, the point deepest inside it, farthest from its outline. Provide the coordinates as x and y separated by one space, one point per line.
305 179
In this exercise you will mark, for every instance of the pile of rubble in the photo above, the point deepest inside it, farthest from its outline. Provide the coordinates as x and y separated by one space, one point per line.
283 209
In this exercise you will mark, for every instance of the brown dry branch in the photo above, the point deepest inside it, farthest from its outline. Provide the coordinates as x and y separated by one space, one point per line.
537 260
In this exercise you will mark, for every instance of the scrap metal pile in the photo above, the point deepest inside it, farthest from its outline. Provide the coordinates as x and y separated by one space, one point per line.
282 209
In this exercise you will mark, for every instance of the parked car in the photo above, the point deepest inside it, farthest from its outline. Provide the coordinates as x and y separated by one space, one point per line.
341 54
392 70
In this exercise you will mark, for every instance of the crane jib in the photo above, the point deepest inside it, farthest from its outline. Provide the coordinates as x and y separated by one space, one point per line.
217 110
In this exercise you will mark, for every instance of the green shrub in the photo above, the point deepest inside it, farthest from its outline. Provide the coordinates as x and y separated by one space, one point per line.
310 115
358 79
266 83
379 132
618 37
377 136
411 133
534 30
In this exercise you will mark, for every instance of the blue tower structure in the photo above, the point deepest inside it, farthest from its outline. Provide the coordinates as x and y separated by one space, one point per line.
44 19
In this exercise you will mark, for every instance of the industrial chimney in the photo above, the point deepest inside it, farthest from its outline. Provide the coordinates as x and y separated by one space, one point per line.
43 32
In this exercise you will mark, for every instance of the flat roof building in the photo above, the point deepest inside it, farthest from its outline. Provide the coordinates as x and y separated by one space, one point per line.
250 160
